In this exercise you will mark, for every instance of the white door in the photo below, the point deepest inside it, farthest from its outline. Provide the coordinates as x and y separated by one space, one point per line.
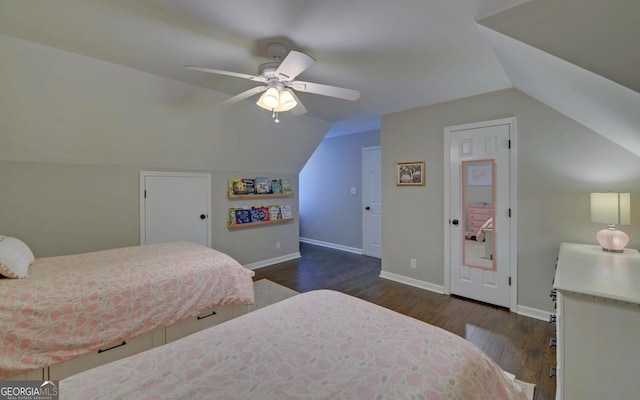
175 207
372 202
479 182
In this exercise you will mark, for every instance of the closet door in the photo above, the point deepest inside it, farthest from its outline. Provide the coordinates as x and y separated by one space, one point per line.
175 207
479 172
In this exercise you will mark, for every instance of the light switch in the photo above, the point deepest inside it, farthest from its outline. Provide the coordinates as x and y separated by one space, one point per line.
354 190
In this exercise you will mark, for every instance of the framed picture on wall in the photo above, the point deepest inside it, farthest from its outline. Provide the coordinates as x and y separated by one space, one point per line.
410 173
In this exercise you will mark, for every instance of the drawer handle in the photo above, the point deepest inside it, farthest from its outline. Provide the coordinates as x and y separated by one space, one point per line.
207 316
112 347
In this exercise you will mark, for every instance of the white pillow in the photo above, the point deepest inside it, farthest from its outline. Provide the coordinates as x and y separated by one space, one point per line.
15 257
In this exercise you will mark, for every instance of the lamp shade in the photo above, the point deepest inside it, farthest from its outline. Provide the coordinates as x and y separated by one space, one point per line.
287 101
611 208
269 99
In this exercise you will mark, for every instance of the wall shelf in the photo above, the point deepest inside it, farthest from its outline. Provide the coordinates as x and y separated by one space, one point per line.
257 196
254 224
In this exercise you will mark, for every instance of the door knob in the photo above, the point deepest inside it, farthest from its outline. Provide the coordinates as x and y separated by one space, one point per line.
455 222
202 216
367 208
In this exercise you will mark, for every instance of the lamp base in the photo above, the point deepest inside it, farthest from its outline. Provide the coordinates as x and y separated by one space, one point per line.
612 240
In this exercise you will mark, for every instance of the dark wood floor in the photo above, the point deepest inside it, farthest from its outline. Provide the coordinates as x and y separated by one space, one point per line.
520 345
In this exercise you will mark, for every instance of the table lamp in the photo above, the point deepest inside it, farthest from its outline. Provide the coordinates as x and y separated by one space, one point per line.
612 209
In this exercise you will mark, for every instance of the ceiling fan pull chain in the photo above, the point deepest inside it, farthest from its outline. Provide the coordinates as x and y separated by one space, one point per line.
275 117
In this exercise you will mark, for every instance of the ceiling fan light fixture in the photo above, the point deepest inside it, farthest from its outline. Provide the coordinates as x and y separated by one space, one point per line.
269 99
287 101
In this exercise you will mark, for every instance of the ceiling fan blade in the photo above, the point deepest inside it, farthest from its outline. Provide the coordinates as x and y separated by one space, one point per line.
293 64
244 95
228 73
325 90
300 108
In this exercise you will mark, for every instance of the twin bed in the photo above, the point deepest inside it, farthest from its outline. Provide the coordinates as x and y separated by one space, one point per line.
320 344
316 345
78 311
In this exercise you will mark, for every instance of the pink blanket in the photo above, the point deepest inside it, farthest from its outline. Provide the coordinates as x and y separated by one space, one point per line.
72 305
317 345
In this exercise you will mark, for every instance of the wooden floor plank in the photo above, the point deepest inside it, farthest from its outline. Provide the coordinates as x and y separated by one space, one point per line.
518 344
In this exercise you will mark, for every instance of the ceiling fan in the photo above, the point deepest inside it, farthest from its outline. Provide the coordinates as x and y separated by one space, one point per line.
279 84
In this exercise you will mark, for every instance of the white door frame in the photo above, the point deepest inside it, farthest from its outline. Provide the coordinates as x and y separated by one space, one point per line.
144 174
365 234
513 191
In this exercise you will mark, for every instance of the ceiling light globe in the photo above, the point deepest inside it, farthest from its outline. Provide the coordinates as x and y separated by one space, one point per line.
287 101
271 98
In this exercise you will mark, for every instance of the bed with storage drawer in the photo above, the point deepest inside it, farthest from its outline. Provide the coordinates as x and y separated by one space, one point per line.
71 313
316 345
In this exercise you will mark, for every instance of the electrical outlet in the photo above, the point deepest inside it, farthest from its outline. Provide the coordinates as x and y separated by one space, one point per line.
413 263
277 245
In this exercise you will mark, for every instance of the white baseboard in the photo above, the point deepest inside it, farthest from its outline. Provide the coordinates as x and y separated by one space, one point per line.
534 313
332 245
412 282
271 261
521 310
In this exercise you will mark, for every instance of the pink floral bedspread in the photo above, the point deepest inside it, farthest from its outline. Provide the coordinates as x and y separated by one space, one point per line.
72 305
317 345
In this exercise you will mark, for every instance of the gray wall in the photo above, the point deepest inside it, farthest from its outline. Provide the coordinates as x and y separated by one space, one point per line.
75 132
559 163
65 209
328 211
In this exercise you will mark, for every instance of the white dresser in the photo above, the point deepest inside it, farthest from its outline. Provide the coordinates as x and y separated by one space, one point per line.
598 317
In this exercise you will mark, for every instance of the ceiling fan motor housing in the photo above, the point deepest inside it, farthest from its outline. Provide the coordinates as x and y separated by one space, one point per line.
277 50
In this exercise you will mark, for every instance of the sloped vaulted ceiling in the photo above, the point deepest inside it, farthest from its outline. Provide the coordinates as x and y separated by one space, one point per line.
578 56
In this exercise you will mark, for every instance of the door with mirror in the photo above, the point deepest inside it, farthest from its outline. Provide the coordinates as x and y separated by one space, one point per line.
479 207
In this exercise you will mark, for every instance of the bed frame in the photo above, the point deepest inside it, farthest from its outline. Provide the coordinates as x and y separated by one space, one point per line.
135 345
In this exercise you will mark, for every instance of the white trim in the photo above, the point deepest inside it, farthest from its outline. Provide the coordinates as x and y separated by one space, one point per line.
332 245
412 282
513 196
271 261
534 313
144 174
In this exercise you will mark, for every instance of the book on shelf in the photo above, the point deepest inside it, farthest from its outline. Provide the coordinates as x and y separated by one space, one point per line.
274 213
259 214
285 211
250 185
286 186
276 187
262 185
243 216
232 215
233 186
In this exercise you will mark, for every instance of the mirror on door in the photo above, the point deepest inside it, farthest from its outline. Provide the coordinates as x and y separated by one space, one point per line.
478 199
